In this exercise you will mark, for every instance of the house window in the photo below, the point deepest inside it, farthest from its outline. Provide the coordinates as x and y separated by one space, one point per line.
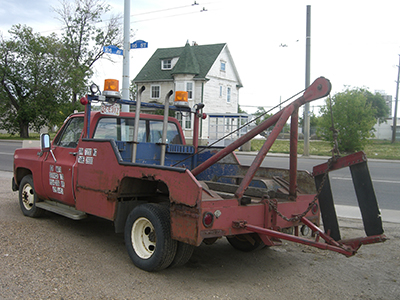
179 118
188 122
220 91
166 64
223 66
185 120
189 89
228 94
155 92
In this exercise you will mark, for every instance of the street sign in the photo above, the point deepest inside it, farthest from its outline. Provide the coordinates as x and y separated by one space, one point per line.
139 44
113 50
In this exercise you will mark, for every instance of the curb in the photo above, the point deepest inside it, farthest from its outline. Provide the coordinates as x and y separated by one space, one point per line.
254 153
11 141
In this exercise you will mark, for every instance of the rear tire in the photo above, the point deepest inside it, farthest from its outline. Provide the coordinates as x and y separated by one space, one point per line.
28 198
148 237
183 254
246 242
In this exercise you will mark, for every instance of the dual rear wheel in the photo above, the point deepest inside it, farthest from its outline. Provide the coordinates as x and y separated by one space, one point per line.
148 239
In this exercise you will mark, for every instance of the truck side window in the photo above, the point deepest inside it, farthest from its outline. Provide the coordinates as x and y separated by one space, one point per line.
71 134
119 129
173 136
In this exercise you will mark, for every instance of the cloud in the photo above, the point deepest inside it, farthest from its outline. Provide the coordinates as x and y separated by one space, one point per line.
32 13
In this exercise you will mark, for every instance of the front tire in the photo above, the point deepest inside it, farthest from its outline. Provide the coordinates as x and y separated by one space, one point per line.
148 237
28 198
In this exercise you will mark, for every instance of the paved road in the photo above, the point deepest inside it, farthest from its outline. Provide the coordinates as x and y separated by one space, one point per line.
7 149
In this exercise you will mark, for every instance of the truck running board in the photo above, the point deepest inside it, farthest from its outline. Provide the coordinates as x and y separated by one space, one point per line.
364 189
61 209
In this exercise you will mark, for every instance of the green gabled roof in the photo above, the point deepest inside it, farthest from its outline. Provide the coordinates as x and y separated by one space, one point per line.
187 63
196 60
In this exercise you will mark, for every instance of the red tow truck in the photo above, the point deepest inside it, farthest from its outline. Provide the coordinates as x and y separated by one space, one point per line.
167 197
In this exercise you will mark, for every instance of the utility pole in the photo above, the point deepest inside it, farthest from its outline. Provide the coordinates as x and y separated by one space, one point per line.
394 129
125 66
306 116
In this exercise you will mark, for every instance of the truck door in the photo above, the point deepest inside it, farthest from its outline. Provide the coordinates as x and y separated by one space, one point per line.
58 175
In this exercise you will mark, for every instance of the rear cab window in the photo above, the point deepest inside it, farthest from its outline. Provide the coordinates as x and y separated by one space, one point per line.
121 129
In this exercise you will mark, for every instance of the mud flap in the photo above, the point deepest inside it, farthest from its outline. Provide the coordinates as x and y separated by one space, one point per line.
328 212
365 193
366 199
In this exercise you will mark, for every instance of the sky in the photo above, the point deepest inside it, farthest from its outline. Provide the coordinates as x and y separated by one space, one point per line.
353 43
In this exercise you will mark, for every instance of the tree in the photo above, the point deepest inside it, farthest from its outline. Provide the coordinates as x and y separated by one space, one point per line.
132 91
313 122
38 75
84 39
240 110
261 114
381 110
32 90
355 113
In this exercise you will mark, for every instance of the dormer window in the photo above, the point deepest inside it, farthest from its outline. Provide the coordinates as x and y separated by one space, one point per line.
166 64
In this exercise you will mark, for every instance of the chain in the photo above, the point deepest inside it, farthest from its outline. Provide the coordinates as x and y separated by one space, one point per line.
335 132
272 203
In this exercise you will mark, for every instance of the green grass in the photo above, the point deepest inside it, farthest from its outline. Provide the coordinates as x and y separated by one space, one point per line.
383 150
32 136
375 149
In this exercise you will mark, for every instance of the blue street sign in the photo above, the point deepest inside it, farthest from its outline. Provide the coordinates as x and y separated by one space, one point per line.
113 50
139 44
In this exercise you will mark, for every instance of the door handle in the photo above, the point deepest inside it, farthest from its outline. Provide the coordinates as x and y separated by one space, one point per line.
73 153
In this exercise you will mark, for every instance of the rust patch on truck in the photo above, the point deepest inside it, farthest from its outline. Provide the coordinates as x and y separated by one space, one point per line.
111 195
184 224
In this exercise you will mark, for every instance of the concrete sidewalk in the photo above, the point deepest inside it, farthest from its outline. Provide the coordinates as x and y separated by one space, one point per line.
353 212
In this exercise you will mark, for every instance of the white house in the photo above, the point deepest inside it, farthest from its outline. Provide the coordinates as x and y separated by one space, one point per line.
206 72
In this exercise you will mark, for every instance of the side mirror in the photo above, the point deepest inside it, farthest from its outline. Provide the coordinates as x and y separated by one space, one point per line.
45 142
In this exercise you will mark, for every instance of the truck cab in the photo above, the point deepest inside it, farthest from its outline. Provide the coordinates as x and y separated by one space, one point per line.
56 172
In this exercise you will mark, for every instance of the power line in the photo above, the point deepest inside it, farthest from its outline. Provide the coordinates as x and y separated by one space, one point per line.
147 13
164 10
165 17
